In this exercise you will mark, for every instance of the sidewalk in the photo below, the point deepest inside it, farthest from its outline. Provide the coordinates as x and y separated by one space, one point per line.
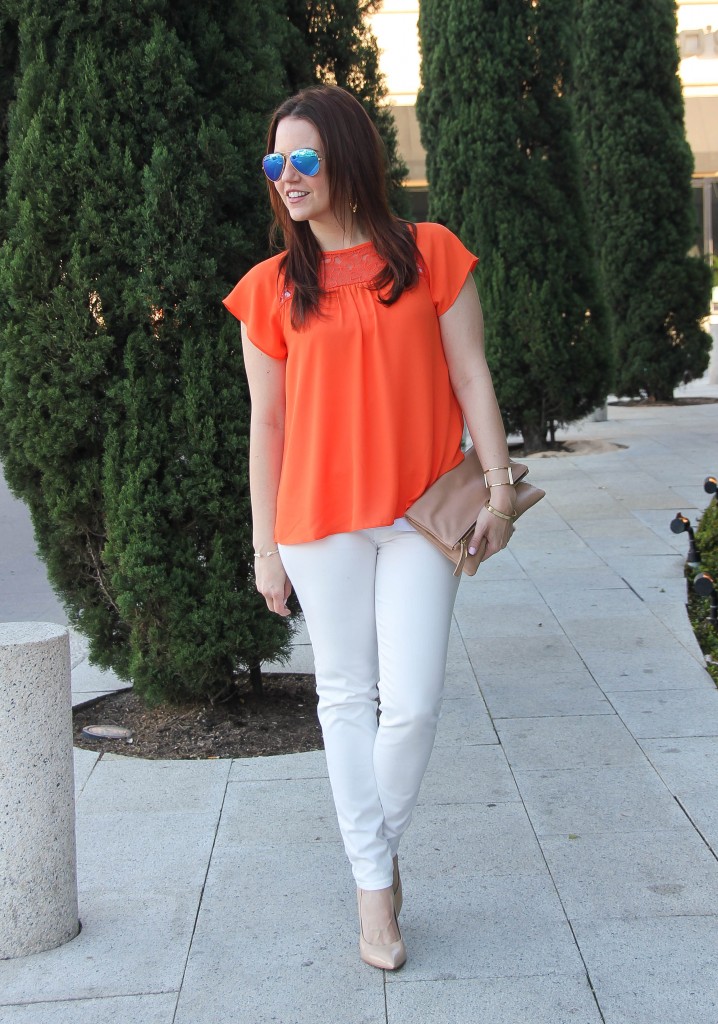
561 865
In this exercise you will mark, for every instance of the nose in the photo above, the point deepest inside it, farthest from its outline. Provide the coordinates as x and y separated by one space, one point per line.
289 172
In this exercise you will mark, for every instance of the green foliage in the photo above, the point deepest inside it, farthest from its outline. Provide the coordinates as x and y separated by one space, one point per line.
503 174
132 208
699 607
8 71
638 165
330 41
134 202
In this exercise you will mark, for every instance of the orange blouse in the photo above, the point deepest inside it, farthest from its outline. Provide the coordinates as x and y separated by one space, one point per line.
371 418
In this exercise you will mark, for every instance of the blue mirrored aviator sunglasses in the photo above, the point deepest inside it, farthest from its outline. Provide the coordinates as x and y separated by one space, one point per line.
306 161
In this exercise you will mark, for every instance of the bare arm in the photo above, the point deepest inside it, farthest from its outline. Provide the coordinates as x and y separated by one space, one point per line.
462 332
266 377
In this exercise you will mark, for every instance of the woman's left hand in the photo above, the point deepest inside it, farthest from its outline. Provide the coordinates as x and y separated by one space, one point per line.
493 533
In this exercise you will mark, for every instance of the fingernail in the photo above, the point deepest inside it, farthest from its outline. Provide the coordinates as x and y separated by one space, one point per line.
472 551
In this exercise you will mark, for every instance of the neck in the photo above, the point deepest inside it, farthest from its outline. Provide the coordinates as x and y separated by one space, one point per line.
335 235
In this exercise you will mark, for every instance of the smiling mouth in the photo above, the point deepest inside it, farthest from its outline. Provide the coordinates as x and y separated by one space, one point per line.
296 195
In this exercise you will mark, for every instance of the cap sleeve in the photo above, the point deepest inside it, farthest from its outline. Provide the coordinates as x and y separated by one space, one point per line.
255 301
447 263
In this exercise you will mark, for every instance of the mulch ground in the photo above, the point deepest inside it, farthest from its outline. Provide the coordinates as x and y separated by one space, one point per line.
282 721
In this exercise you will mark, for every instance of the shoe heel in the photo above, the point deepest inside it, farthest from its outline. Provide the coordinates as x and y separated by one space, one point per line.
389 956
397 888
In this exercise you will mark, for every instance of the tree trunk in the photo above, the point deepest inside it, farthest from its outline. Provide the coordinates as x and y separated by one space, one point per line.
534 437
255 678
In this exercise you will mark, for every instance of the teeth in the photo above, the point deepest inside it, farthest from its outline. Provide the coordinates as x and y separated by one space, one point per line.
296 195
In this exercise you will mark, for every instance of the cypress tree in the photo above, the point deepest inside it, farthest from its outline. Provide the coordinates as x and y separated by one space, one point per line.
57 353
131 209
638 171
178 497
503 173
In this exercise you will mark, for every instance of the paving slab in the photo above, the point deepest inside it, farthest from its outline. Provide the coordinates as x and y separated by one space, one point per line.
667 712
581 611
523 657
311 764
687 764
461 679
522 696
645 970
149 852
486 927
614 799
654 873
276 940
616 536
142 1009
664 607
573 580
568 741
90 682
217 989
557 552
541 999
464 720
295 810
85 761
470 773
469 841
299 899
136 785
130 944
689 767
661 664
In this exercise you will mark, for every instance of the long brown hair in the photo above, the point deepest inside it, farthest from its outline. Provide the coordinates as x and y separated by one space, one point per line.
354 157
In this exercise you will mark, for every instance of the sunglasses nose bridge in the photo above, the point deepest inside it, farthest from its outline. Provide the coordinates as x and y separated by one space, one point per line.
289 171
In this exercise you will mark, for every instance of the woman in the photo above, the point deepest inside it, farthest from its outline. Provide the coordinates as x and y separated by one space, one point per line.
363 347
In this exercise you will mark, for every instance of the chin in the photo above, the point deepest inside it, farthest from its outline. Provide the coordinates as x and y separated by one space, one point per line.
297 215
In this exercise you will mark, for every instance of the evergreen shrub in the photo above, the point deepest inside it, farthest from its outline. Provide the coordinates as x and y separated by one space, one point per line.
503 173
638 166
699 607
131 209
134 200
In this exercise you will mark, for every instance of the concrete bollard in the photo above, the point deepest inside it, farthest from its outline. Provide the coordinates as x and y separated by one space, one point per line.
38 865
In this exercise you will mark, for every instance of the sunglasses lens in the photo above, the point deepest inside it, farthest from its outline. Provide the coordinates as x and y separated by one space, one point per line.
273 165
306 161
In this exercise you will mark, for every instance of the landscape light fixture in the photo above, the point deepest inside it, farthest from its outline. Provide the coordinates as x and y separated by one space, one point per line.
704 586
710 485
681 524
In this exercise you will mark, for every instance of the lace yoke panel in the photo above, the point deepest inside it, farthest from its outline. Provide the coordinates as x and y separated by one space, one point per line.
355 266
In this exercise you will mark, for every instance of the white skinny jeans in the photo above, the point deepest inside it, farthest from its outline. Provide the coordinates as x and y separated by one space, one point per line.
378 606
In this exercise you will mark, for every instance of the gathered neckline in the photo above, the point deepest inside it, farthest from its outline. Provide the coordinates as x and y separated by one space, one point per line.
359 264
349 248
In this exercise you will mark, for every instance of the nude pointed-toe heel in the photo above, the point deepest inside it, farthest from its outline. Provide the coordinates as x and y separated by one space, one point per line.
396 886
388 956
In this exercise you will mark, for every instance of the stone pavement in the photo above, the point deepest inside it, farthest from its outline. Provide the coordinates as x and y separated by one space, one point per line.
561 865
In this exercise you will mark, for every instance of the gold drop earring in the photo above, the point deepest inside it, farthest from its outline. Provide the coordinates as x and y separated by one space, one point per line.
353 206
